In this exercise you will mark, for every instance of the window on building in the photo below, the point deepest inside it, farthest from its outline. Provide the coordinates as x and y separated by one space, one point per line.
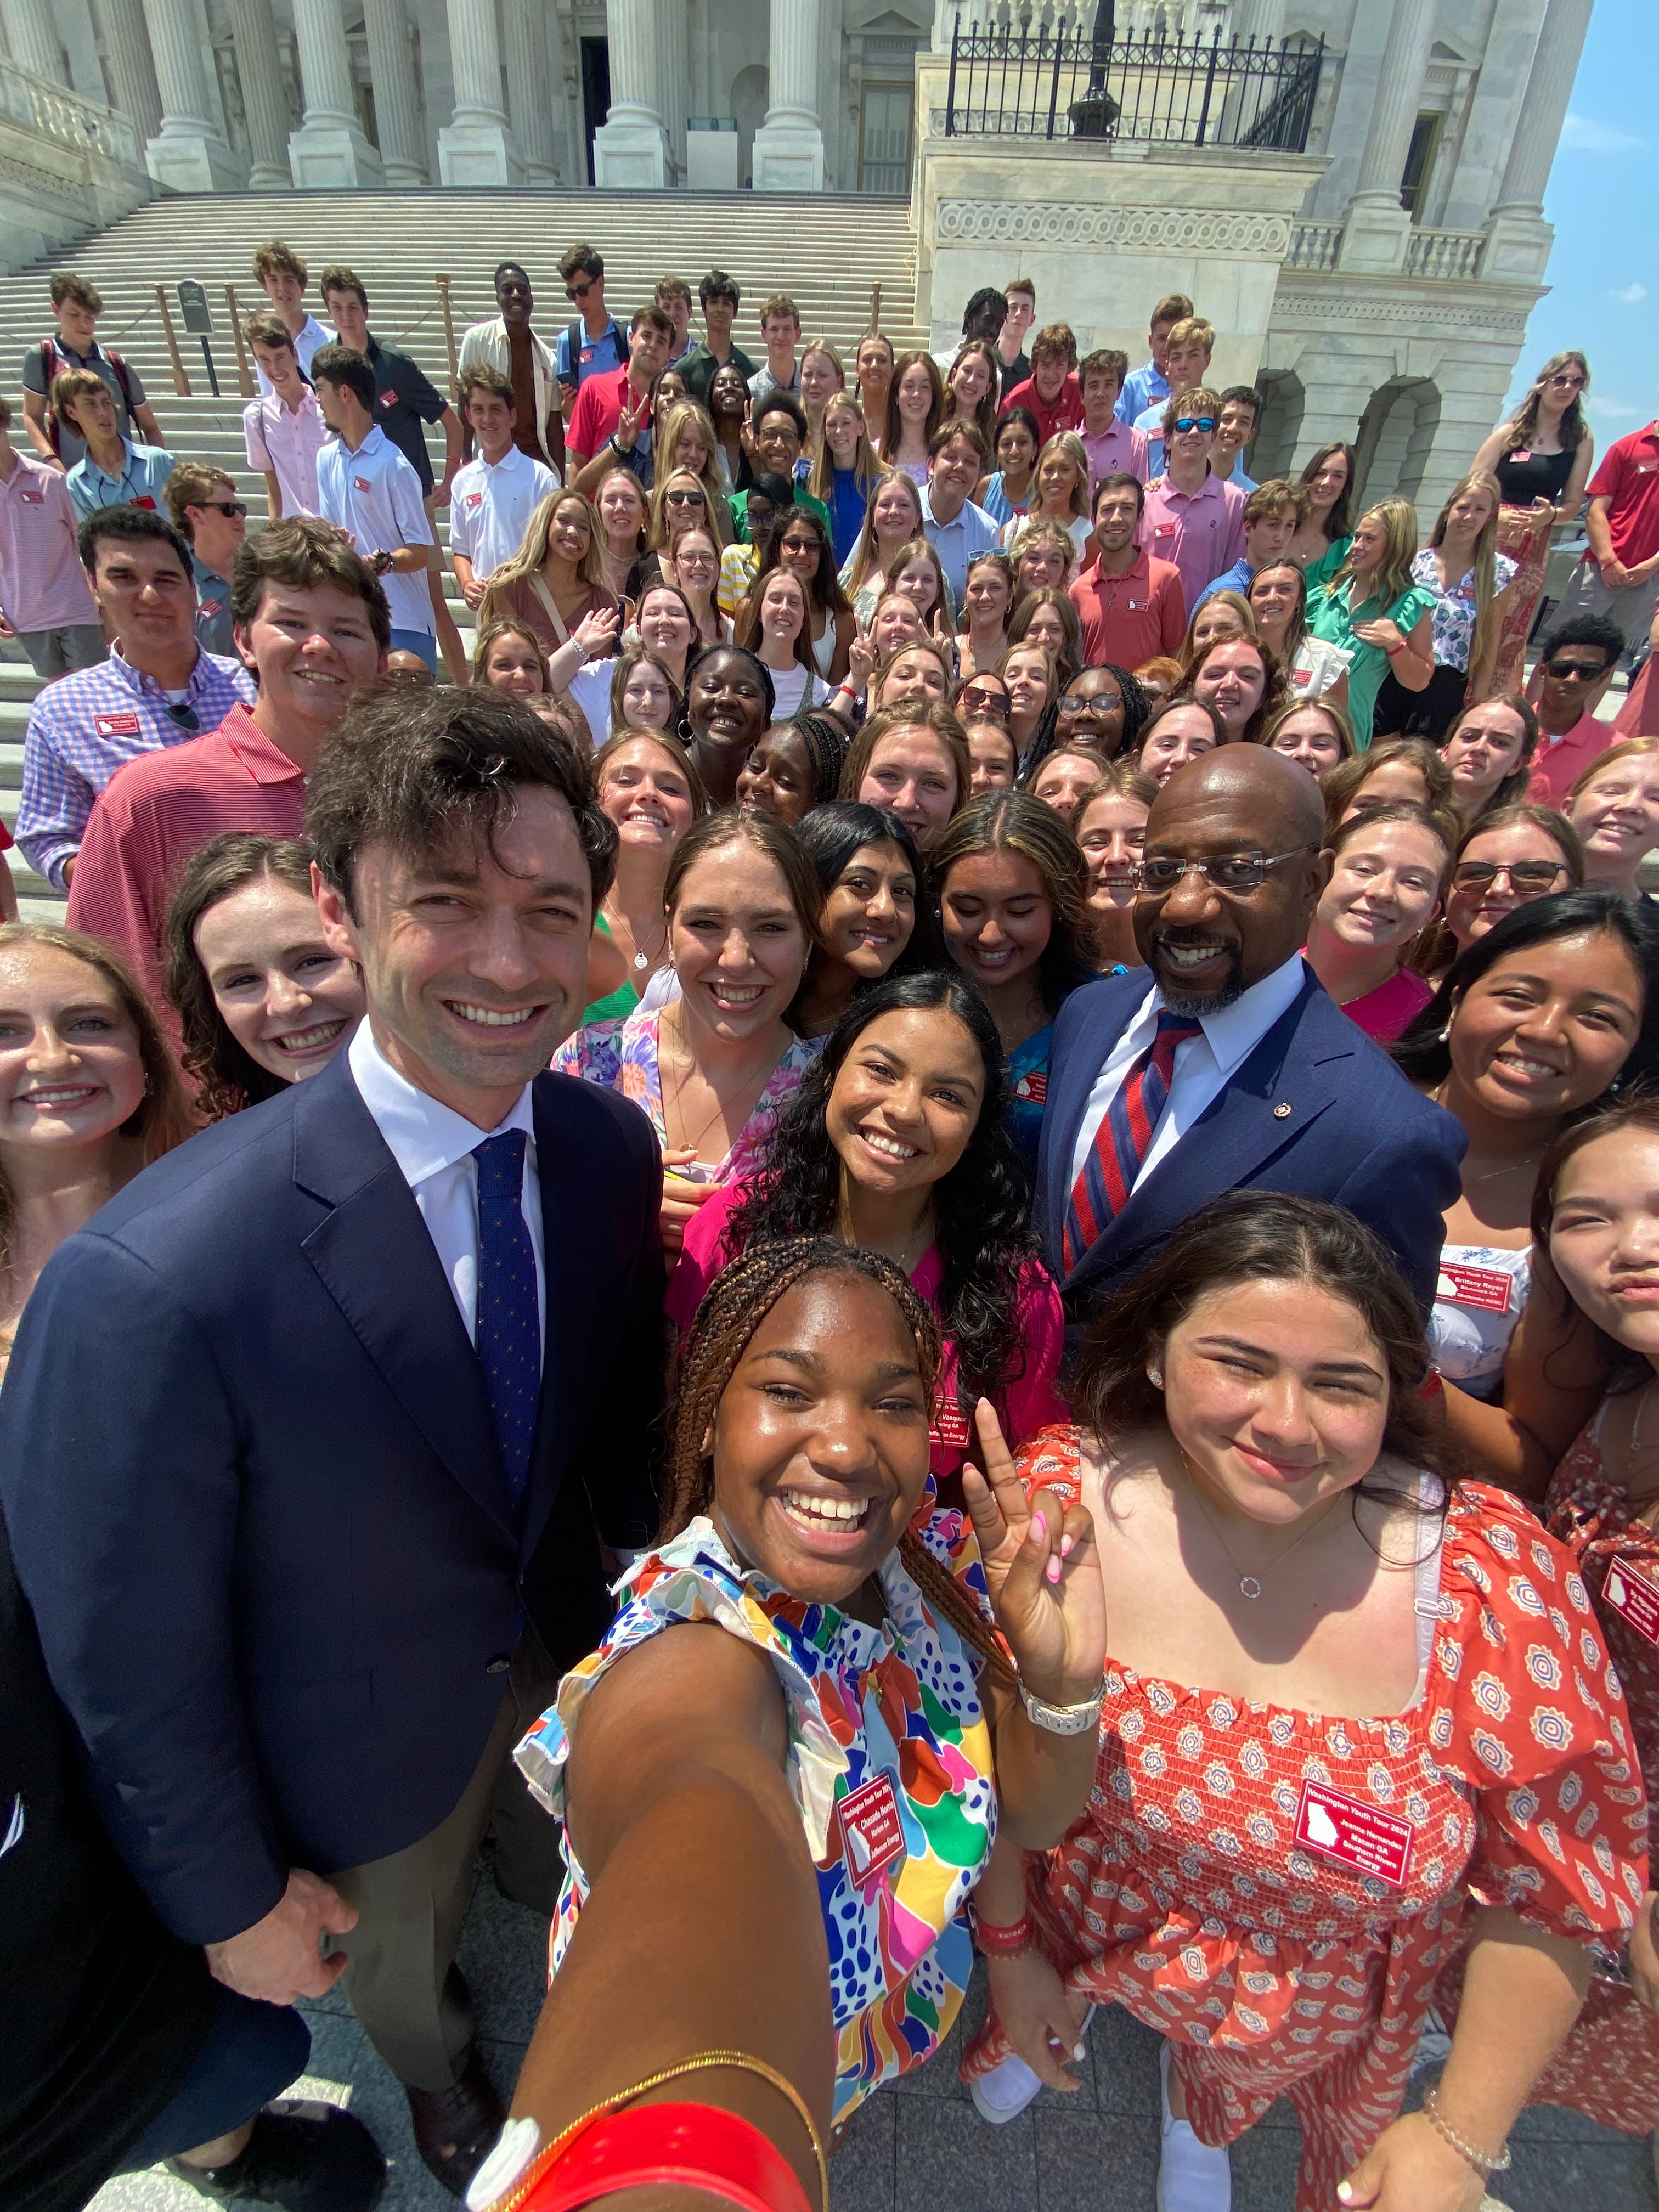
1420 164
885 139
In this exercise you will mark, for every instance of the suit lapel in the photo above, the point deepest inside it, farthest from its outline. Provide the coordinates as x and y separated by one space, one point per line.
373 1256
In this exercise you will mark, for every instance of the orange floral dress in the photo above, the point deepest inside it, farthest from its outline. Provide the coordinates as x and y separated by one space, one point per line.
1194 1891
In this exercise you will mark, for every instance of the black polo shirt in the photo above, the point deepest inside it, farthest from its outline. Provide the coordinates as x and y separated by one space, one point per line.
698 366
404 398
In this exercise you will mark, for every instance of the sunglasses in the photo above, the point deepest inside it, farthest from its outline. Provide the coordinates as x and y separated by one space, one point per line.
1205 422
180 711
1534 876
994 703
577 291
801 545
228 507
684 499
1574 672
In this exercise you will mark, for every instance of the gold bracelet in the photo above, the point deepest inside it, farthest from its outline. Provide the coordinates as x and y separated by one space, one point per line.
703 2061
1481 2160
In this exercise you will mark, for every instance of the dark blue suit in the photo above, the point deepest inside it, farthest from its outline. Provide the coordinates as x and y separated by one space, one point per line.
1356 1133
256 1499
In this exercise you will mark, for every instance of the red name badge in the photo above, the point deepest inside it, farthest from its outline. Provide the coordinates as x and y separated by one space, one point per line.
116 726
146 502
1489 1290
949 1426
475 499
34 497
209 608
1034 1087
361 483
1355 1834
1521 453
872 1833
388 399
1633 1597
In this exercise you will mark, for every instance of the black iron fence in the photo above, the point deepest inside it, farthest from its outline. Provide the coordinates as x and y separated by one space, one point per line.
1028 84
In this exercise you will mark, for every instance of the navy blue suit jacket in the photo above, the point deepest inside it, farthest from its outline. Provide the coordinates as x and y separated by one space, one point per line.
256 1499
1356 1133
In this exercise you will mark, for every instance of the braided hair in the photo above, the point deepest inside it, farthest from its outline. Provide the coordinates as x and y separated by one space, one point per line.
738 1302
826 738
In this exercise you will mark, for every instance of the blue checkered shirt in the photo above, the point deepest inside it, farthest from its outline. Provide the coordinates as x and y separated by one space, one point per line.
87 725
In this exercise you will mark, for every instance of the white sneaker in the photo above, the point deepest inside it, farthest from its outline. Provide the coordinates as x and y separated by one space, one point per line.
1191 2177
1002 2094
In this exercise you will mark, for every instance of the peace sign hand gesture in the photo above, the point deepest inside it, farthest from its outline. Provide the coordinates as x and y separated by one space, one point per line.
745 436
1044 1572
861 656
632 414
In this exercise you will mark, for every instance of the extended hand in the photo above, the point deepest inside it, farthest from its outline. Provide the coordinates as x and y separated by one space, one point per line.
629 421
744 436
1043 1573
280 1958
1040 2017
1412 2168
860 656
596 633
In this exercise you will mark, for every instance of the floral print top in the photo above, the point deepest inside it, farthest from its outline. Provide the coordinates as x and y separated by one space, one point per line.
889 1762
1454 617
622 1055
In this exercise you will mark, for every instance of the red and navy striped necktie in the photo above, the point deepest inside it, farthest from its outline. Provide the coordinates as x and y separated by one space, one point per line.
1122 1141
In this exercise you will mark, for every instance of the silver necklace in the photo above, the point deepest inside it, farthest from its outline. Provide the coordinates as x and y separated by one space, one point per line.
1249 1585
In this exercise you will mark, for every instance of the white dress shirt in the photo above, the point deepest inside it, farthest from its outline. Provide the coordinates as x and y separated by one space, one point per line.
490 504
375 496
1204 1065
433 1146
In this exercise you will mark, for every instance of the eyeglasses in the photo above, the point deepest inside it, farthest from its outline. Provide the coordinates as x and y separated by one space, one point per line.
1101 702
1574 672
1534 876
994 703
577 291
801 545
1228 872
1196 423
684 499
1576 382
230 508
181 712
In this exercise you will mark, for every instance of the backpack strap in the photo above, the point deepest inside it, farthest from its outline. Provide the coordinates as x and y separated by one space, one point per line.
573 346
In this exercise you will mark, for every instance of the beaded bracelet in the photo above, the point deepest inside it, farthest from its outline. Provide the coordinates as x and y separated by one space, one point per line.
1003 1942
1483 2162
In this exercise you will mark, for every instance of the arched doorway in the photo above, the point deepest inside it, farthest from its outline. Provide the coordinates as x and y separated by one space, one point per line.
1396 432
1283 401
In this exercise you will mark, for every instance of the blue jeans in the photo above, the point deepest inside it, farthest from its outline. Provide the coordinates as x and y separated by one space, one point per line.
252 2052
417 641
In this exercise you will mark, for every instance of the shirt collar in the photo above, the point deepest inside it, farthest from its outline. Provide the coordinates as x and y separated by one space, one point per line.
262 757
1233 1034
146 686
128 456
423 1135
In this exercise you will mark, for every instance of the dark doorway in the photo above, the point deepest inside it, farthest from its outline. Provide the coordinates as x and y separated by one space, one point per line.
596 93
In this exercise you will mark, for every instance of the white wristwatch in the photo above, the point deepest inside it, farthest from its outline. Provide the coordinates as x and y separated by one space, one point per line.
1063 1720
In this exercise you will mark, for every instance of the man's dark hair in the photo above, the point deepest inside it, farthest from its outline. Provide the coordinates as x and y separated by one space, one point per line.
1243 395
1120 480
507 268
303 551
659 318
67 286
339 365
985 314
1586 630
408 770
581 261
959 426
780 401
337 277
717 285
128 525
480 377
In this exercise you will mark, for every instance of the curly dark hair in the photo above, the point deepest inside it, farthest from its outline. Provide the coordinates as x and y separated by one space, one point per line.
737 1300
980 1209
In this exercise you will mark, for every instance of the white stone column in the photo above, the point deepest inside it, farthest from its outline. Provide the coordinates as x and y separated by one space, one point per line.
32 37
187 153
1549 88
132 71
1378 226
532 127
788 153
475 147
1494 109
630 148
330 151
396 103
264 103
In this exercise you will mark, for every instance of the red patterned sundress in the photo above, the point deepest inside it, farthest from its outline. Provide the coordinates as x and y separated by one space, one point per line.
1184 1895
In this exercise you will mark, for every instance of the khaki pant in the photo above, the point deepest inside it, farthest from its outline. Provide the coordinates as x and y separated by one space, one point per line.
402 1981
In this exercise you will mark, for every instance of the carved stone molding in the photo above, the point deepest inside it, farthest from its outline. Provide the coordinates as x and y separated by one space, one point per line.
1329 309
72 191
1126 229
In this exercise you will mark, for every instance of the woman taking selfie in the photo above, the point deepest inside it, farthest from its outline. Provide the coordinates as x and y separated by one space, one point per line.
870 876
262 1001
557 577
895 1142
1385 889
646 783
1321 1658
1110 828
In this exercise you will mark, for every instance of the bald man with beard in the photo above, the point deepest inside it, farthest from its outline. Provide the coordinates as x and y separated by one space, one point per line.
1222 1064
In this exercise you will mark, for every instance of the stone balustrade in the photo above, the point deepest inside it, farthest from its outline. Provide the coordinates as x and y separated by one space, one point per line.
1452 254
58 113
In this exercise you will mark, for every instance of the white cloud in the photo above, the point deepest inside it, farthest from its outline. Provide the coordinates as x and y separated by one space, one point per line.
1631 295
1584 134
1610 408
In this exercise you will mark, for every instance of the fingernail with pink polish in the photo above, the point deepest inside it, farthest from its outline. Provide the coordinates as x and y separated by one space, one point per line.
1052 1571
1066 1543
1039 1529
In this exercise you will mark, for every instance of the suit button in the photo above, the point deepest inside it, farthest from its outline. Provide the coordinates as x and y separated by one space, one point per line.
499 1664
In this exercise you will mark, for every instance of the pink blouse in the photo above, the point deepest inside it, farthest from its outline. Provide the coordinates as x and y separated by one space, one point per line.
1392 1007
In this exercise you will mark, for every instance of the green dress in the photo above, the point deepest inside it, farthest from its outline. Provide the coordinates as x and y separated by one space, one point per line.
1329 617
618 1005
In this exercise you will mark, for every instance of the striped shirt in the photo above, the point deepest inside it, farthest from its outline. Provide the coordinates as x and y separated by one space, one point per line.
88 724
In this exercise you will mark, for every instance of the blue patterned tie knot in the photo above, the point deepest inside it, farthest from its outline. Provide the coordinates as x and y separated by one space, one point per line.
509 1334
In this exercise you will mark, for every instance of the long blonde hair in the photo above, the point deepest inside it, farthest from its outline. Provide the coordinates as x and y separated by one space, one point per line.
686 414
1068 443
866 559
1486 554
1391 578
867 469
528 561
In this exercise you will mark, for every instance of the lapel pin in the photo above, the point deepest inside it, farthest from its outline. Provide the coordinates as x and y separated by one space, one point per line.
1283 1110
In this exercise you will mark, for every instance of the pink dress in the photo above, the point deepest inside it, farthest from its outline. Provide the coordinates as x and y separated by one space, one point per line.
1196 1891
1386 1012
1024 1405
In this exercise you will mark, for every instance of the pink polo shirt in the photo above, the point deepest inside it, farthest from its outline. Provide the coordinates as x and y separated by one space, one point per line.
1559 762
1119 451
42 583
1201 532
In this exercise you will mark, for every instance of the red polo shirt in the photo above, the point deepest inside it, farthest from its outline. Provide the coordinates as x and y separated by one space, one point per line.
1066 414
1628 478
597 411
156 813
1130 618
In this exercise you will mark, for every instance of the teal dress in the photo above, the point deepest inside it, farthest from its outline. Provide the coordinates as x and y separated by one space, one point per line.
1329 617
1028 1092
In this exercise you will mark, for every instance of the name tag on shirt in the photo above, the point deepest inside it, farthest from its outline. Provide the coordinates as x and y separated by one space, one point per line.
1519 455
146 500
475 499
116 726
361 483
1488 1289
209 608
1034 1087
872 1833
34 497
1355 1834
1634 1599
1161 532
388 399
949 1426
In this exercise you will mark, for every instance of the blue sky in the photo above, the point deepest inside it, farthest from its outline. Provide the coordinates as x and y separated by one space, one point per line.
1604 270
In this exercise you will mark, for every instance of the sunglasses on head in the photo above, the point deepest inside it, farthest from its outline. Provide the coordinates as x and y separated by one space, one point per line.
1574 671
1196 422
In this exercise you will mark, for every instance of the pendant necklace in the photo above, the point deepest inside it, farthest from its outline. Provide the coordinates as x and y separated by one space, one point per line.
1249 1585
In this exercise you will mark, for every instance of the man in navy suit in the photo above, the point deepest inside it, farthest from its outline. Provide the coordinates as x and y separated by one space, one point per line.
311 1439
1222 1064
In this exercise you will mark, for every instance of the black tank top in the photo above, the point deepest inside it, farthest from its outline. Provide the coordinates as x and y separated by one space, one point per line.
1525 477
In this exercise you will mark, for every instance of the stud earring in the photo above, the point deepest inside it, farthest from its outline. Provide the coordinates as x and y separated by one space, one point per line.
1155 1376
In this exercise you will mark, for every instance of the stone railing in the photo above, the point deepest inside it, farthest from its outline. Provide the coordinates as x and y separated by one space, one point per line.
1171 20
1448 253
58 113
1314 245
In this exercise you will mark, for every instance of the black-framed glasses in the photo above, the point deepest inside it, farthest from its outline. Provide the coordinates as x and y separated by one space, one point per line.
1228 872
181 712
1196 422
1574 672
1103 702
684 499
1534 876
230 508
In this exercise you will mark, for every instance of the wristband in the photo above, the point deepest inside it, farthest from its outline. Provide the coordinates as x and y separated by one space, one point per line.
700 2147
1392 650
1003 1942
1482 2161
1063 1720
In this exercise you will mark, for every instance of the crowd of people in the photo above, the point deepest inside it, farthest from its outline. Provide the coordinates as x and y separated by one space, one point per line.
988 1069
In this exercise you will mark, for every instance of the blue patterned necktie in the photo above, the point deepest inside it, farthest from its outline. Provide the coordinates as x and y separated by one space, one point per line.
509 1331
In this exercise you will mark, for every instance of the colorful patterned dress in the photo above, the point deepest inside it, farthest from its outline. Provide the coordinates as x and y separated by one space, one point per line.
1196 1891
889 1719
1608 2068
